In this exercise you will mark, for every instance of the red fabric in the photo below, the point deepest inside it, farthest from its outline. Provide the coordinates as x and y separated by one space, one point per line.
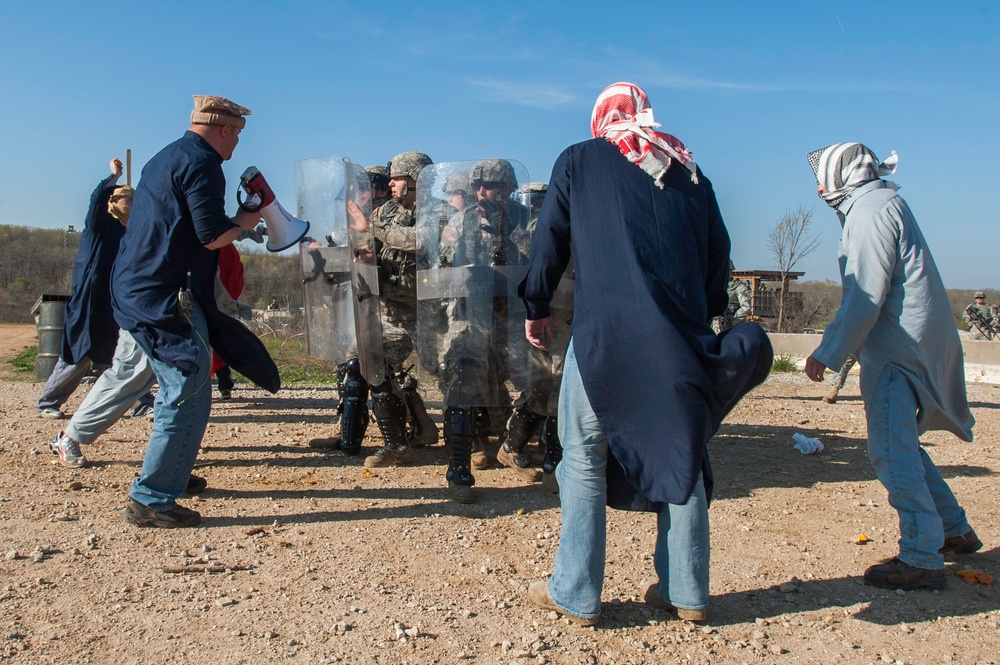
231 276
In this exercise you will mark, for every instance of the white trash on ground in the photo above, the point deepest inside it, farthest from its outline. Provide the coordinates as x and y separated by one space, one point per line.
807 446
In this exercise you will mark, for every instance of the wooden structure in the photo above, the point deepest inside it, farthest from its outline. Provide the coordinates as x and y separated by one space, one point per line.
765 289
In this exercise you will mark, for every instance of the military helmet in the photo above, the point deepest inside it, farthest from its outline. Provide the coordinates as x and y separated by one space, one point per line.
409 163
494 170
378 176
532 194
457 182
979 294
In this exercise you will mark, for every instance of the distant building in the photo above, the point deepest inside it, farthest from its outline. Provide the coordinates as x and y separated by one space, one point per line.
765 289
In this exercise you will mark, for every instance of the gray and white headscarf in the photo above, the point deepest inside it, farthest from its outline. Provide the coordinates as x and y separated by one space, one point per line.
843 167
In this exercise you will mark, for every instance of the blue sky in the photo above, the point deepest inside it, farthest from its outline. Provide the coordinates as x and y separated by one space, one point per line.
749 87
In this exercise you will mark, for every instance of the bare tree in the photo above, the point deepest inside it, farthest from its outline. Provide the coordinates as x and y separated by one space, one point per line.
789 241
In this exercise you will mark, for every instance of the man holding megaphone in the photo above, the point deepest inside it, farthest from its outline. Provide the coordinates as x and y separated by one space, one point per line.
163 291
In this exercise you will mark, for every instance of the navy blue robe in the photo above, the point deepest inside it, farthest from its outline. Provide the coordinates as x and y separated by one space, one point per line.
89 329
651 271
178 208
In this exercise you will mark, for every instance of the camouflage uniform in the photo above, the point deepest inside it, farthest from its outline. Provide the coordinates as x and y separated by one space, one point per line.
379 177
395 233
473 368
739 305
979 317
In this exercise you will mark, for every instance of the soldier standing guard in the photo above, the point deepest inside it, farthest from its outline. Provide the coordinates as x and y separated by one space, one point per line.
979 317
738 309
468 272
395 244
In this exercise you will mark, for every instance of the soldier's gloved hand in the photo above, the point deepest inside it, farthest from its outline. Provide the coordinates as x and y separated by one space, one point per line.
256 234
490 213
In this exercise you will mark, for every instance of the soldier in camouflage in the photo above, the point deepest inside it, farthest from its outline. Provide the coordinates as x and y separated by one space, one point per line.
474 361
979 317
395 245
536 408
379 177
739 304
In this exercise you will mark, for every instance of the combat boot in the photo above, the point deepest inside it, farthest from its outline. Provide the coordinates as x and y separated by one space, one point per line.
390 415
423 430
520 428
460 429
832 397
352 411
553 454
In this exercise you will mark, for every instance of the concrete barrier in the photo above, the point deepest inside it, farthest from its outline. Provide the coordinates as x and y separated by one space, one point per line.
982 359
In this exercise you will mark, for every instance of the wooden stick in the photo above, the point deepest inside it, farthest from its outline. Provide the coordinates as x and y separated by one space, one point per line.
128 166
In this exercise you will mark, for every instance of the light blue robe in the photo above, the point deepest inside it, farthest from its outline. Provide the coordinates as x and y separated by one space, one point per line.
894 309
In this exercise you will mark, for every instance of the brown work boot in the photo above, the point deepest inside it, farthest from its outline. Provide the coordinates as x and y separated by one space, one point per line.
832 397
507 459
479 459
538 594
389 457
967 543
896 574
329 439
652 597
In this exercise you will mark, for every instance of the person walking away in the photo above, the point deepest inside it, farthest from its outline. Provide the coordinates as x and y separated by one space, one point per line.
896 314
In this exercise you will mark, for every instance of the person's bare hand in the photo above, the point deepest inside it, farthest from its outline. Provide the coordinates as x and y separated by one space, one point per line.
116 166
539 332
359 222
814 369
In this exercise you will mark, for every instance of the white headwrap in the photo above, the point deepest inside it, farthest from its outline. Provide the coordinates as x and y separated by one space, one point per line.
843 167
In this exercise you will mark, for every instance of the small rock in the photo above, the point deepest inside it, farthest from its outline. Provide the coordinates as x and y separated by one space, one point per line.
900 592
777 650
38 556
225 601
11 555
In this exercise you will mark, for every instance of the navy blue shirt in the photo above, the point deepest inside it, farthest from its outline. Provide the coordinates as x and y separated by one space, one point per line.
179 207
90 330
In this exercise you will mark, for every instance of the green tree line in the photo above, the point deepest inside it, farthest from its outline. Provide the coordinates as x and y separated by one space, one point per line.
40 261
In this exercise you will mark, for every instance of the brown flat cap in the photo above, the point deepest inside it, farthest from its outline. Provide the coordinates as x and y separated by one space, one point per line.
212 110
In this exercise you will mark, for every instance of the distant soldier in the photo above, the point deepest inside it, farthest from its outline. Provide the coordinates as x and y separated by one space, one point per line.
379 178
979 317
739 304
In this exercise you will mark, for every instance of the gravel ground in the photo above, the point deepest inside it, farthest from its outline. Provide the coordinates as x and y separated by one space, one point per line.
307 557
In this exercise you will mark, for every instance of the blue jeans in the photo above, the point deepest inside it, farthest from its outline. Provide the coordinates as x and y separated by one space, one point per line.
129 378
928 511
180 415
682 540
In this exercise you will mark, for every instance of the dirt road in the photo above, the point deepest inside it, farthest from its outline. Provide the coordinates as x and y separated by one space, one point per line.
321 561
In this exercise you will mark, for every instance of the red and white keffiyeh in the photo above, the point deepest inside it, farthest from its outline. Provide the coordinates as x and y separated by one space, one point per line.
623 116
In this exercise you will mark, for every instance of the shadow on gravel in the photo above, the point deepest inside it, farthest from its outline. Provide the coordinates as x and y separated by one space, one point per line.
749 457
877 606
492 502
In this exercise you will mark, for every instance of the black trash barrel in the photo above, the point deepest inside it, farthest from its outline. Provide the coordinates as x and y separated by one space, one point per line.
50 317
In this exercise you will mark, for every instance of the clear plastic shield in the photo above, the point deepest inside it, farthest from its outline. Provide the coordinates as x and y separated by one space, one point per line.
340 294
468 269
364 275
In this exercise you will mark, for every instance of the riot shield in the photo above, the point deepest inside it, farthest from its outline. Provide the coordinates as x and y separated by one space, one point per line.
340 290
468 269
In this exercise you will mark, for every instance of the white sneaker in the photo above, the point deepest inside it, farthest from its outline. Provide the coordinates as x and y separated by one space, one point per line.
68 451
51 412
